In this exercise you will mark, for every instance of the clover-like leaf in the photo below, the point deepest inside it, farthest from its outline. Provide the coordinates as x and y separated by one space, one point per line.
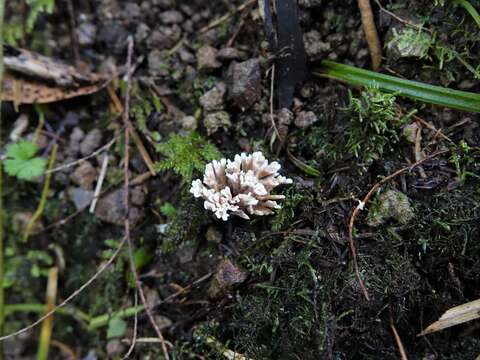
21 161
116 328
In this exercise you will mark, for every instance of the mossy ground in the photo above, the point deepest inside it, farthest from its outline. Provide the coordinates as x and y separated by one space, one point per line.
301 299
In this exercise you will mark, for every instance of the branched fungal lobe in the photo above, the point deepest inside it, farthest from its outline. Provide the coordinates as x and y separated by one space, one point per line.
240 187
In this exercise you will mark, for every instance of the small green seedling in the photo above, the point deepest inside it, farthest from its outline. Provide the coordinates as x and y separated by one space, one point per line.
22 162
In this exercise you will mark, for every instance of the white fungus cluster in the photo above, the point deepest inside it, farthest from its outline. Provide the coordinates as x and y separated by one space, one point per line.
240 187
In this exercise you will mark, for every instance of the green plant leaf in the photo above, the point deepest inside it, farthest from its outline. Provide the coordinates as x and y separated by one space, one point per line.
141 257
37 7
21 162
22 150
437 95
168 210
470 9
116 328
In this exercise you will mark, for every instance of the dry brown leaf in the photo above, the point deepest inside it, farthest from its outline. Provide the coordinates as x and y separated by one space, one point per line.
32 78
455 316
29 91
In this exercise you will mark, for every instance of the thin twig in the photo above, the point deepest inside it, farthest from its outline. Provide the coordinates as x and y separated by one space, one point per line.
98 187
371 33
237 31
135 326
127 126
272 90
362 204
126 193
398 18
136 138
135 181
401 349
147 340
418 149
76 162
225 17
438 132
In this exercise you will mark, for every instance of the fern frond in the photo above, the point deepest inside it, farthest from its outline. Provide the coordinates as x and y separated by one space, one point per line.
186 154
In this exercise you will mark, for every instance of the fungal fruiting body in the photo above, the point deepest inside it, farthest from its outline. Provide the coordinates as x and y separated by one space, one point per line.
240 187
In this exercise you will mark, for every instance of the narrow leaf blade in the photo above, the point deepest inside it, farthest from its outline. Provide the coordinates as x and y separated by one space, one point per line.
437 95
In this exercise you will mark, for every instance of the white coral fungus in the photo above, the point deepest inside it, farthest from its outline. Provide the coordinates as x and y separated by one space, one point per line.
240 187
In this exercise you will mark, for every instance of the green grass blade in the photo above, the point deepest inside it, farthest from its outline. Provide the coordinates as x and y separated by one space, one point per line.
470 9
431 94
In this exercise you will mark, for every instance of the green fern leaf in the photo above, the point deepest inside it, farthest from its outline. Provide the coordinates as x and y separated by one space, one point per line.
186 154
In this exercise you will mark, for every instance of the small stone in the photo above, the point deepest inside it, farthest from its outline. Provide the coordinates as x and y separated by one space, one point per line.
81 198
152 298
21 219
215 120
20 125
137 163
466 84
207 58
91 142
284 117
314 46
138 195
42 141
86 34
213 235
410 132
392 204
164 4
214 99
185 255
163 322
186 56
402 41
158 63
84 175
143 31
231 53
72 118
186 9
77 134
115 348
132 10
111 209
164 37
188 123
305 119
171 17
113 36
244 83
227 275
